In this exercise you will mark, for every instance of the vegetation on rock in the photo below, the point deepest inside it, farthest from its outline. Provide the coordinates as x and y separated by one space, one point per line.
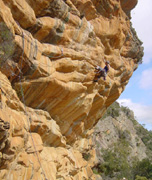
116 160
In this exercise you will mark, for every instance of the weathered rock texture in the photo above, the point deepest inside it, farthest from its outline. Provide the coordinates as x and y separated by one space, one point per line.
48 51
118 135
110 130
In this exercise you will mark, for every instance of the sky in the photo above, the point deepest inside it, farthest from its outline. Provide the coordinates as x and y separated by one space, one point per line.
138 93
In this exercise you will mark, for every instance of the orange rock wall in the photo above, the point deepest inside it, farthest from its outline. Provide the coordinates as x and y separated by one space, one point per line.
49 102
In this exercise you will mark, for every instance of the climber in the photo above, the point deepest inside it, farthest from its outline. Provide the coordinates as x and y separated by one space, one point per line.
101 72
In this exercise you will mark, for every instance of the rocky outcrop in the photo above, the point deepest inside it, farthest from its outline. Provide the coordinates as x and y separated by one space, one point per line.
121 143
128 5
110 130
48 52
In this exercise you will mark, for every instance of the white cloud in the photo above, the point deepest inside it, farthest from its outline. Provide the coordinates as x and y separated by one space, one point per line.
141 19
146 81
143 113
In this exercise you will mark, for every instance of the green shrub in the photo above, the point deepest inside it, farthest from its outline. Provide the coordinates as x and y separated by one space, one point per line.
115 161
145 135
140 178
112 111
7 46
143 168
86 156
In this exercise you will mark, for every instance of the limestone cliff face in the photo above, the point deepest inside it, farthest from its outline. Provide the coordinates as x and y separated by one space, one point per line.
49 103
120 143
112 129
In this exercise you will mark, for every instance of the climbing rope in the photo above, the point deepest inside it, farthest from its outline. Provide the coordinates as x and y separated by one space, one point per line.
1 94
34 56
28 119
37 49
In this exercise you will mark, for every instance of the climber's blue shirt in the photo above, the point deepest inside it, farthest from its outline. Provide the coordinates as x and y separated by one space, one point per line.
106 69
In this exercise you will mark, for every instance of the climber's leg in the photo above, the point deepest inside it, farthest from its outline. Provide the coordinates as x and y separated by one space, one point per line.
104 76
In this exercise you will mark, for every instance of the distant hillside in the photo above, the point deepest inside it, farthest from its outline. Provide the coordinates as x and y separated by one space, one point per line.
123 146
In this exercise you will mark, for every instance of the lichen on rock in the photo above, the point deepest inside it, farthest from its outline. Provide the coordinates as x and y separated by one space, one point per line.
48 52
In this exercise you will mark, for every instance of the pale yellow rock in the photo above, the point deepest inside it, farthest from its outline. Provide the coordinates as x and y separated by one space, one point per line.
21 12
34 143
17 143
48 101
23 159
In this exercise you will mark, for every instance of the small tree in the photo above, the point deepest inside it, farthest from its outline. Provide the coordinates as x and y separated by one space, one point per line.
143 168
140 178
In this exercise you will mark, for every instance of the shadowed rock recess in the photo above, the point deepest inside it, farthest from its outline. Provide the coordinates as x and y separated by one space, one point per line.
49 103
